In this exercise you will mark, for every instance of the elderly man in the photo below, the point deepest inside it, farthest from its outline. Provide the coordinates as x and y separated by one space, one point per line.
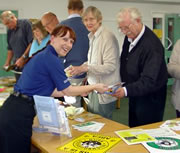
143 70
19 38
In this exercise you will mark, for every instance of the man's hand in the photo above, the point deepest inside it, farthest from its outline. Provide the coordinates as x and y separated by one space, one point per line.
5 66
119 93
20 62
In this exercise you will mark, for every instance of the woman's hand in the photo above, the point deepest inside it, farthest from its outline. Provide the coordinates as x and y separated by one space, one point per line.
101 88
77 70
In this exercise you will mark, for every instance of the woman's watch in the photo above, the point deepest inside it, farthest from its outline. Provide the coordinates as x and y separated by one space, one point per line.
24 56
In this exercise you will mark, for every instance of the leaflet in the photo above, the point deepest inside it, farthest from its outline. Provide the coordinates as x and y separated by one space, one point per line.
160 132
167 141
172 124
90 143
69 75
91 126
112 89
134 136
168 144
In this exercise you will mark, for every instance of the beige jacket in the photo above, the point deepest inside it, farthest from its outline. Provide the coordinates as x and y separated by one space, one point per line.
103 61
174 71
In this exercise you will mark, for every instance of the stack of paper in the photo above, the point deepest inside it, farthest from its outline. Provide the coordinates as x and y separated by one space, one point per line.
91 126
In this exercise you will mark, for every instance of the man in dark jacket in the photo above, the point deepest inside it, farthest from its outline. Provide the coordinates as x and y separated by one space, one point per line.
143 70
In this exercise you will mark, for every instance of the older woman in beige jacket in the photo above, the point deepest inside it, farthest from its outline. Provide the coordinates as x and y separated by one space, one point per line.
174 71
103 62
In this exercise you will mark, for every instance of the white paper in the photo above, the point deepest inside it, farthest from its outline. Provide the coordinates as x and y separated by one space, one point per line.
160 132
70 99
172 124
91 126
169 144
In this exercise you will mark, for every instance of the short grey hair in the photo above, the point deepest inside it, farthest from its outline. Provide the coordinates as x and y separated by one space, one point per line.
133 12
7 15
95 11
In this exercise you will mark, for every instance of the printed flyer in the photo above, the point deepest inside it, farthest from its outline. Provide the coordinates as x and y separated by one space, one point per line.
169 144
134 136
90 143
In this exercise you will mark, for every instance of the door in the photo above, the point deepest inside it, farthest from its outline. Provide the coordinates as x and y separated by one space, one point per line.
172 34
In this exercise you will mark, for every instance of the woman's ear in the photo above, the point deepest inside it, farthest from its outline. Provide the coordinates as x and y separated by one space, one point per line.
52 38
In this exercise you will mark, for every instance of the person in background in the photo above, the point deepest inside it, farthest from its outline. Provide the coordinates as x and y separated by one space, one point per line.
143 69
41 37
43 75
103 62
19 38
49 20
174 71
78 54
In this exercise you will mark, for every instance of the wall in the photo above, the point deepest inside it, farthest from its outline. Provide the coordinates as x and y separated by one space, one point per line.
109 9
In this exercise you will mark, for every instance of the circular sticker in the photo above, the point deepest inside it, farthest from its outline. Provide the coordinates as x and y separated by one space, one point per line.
165 143
91 144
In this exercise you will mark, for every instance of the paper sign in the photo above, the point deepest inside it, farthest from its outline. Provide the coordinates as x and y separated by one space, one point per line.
90 143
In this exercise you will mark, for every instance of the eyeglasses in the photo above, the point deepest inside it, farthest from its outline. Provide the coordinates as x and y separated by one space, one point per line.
45 25
125 28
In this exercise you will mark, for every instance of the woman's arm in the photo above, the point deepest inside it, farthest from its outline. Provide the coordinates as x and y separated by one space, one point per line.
79 90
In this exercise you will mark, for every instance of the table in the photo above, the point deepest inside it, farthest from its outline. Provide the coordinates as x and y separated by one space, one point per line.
122 147
47 143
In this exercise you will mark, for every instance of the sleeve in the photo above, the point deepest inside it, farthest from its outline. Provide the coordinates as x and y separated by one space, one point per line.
174 63
109 57
28 31
57 73
8 43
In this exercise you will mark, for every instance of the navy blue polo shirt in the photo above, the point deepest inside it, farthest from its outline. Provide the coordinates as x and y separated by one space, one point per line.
42 74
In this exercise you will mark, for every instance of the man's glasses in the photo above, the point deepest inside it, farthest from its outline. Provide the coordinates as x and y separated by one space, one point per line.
45 25
124 28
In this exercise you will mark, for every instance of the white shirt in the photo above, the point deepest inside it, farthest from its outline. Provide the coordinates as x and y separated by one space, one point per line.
133 43
73 16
